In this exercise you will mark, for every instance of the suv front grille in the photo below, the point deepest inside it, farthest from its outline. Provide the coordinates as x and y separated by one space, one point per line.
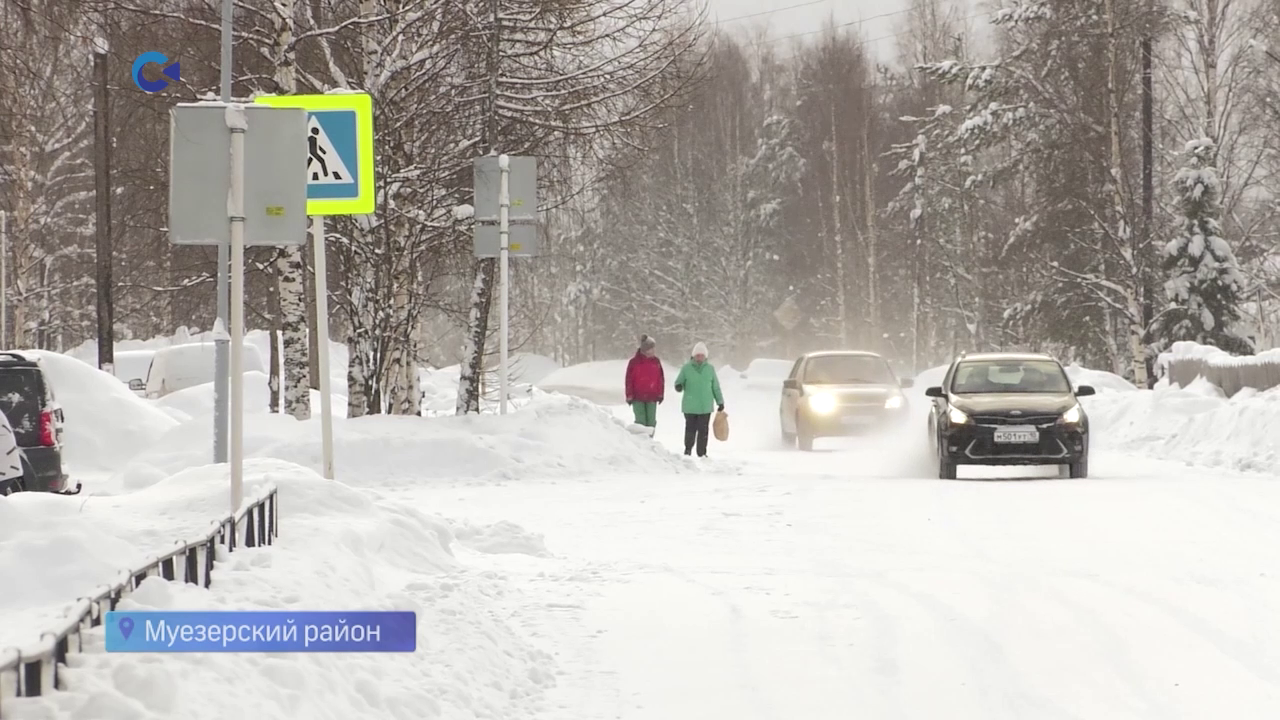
1015 419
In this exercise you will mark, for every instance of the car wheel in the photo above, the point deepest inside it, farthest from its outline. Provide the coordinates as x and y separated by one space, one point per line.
805 437
788 439
1080 469
946 469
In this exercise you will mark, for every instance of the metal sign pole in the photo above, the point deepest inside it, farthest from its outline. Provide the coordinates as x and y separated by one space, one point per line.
322 335
4 279
236 120
504 270
221 372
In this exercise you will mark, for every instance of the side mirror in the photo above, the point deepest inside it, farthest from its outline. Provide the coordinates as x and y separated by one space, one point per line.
136 385
1085 391
934 392
790 384
907 383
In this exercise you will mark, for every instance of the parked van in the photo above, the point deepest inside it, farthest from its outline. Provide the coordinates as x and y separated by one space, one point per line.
131 368
179 367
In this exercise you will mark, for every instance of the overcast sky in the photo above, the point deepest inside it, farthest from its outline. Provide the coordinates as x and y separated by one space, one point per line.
877 20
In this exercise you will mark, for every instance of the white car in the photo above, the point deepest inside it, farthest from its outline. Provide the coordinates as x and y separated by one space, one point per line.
10 459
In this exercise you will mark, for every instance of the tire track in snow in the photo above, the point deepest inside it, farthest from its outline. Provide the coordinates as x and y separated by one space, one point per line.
1246 655
1020 702
1083 615
751 685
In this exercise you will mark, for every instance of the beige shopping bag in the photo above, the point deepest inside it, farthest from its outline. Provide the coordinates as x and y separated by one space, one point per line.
720 426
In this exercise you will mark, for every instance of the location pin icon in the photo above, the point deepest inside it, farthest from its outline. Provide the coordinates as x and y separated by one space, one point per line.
126 626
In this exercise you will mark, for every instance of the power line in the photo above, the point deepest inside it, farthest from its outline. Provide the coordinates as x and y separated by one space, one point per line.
851 23
770 12
859 22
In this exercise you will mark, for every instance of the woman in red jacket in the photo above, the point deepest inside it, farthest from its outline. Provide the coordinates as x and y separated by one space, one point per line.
645 383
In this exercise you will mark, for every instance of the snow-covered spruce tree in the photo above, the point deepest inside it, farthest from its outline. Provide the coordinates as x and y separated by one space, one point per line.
1204 282
1051 117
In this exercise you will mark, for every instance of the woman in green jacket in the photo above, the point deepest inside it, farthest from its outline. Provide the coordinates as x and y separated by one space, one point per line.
701 388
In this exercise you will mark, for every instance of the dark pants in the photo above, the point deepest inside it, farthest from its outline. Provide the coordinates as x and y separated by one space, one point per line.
696 429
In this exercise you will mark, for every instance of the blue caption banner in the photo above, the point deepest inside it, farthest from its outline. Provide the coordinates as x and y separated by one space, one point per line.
270 631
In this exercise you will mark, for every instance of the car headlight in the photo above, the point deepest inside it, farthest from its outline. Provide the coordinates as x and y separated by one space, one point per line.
822 403
1072 416
893 403
957 416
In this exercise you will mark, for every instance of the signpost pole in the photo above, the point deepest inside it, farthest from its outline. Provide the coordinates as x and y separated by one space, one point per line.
4 279
339 181
221 372
322 335
504 272
236 120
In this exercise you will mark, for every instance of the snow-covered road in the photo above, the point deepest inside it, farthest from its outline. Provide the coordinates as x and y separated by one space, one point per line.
841 584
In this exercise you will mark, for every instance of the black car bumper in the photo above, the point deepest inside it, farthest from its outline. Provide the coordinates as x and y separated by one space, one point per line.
852 420
44 469
972 444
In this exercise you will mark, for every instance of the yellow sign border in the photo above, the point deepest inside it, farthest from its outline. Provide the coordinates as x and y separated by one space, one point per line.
362 105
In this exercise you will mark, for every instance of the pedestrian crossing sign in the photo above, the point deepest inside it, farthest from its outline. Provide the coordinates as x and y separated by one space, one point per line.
339 151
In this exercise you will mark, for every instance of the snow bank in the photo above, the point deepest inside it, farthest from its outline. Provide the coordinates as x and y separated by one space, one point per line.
550 437
1187 350
602 382
56 549
531 368
340 549
1197 425
106 424
1099 380
767 373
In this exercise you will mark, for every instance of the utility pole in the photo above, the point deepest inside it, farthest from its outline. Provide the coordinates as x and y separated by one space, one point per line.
102 202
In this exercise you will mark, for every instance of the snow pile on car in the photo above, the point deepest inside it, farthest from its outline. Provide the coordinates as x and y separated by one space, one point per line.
105 423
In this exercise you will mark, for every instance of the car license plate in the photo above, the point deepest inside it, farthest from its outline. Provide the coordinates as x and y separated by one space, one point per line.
1017 435
857 420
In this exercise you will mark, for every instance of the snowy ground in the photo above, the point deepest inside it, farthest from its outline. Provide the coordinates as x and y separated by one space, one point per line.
564 568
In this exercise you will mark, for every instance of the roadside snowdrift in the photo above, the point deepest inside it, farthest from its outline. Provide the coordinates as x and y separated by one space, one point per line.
550 437
56 549
341 548
1196 425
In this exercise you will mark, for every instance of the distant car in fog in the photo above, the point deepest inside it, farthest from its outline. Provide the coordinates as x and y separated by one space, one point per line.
1008 409
838 394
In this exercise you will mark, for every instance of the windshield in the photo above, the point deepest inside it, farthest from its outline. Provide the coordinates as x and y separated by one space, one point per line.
1009 376
848 370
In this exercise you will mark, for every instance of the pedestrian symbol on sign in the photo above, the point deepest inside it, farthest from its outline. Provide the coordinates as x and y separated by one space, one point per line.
324 164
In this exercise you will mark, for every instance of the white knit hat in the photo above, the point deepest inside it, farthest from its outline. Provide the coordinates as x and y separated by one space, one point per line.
699 349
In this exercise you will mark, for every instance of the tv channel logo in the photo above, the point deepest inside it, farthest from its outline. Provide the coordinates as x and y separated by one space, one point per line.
172 72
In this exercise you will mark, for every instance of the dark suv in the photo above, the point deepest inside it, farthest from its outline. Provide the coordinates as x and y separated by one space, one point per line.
1008 409
27 400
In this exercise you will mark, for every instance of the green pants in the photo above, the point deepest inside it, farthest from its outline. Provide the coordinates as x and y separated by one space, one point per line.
646 413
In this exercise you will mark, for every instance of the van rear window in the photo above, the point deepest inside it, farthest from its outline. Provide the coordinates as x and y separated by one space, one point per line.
21 400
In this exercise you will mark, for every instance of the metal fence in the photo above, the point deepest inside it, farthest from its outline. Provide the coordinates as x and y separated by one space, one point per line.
1232 376
35 670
